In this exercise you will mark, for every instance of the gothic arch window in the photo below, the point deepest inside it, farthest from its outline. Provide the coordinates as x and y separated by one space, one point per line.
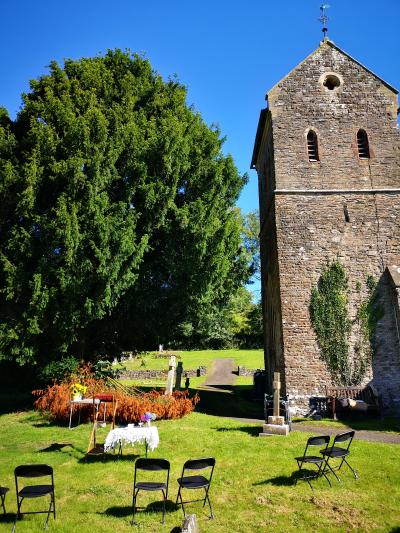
312 146
363 144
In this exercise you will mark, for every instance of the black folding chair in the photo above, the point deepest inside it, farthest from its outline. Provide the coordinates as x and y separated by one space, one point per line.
196 482
3 492
317 460
338 453
151 465
34 491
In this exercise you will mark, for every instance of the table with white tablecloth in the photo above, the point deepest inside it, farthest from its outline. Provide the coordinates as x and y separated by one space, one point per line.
147 435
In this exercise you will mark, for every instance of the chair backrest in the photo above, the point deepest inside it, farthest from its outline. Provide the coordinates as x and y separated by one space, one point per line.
343 437
33 470
199 464
320 440
151 464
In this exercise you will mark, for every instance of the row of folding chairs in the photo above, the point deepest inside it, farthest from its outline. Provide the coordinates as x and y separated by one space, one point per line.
330 458
188 481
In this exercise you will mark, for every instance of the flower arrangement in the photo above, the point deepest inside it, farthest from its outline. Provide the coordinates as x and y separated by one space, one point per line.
78 390
148 417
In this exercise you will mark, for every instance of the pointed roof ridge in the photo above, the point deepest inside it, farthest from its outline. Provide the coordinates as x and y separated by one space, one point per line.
330 43
333 45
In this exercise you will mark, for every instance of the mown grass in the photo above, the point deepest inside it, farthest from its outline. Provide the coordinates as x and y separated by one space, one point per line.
193 359
252 490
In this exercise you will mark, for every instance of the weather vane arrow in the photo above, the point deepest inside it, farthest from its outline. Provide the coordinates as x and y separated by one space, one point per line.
324 19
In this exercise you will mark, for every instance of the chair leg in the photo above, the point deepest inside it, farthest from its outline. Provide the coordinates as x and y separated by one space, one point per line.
209 503
3 499
48 512
332 470
135 493
176 503
54 506
164 500
177 498
19 502
352 469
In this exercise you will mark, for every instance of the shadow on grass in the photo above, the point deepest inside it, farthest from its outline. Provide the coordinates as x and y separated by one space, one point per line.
107 458
7 518
13 401
126 510
254 431
358 422
226 404
280 481
56 447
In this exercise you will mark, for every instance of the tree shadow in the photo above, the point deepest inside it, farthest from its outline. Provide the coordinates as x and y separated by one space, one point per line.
103 457
218 403
254 431
12 401
49 424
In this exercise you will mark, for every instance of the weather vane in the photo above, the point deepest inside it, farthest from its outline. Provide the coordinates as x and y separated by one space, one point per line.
324 19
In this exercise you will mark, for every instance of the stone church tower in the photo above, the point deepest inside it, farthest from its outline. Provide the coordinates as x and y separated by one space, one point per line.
327 156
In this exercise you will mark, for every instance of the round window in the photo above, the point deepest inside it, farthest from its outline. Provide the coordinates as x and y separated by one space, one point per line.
331 82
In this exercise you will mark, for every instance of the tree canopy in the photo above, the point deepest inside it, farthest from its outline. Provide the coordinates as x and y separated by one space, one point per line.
117 218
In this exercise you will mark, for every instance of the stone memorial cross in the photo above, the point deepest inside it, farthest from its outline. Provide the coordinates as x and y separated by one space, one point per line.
171 373
277 392
178 379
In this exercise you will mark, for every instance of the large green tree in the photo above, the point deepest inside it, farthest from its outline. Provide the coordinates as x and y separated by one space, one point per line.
116 212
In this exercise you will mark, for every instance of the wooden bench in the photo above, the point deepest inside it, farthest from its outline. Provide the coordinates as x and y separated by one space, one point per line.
366 394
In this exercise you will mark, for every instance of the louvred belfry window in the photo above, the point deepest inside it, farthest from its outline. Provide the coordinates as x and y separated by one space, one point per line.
362 144
312 146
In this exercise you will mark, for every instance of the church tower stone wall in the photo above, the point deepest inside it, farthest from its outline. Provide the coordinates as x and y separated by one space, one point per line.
327 196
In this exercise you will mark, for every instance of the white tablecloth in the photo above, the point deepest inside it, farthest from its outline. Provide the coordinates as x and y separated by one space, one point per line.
132 435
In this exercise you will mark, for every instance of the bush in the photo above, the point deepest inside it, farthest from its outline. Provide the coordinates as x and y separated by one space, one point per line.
54 401
59 370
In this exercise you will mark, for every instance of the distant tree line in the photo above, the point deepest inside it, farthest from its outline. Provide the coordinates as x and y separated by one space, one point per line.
118 225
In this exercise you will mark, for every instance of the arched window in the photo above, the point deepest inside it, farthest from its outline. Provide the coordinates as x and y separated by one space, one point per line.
362 144
312 146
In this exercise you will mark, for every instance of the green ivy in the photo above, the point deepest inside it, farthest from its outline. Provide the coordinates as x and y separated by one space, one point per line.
329 317
368 316
332 325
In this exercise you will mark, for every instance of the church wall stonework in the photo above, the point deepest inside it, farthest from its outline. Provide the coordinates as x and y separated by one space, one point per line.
340 207
317 234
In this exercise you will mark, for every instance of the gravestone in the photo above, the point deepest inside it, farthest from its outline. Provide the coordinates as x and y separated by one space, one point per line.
179 372
170 378
275 424
190 524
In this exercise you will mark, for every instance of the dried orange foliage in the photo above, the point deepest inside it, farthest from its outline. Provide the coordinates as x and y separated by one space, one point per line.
54 401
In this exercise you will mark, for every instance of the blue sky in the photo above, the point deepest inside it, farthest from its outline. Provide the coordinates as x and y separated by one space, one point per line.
228 53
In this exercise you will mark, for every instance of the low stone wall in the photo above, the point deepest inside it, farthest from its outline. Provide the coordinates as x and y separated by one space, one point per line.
161 374
243 371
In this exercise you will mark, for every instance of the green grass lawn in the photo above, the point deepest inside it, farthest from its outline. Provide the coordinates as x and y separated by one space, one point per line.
193 359
252 490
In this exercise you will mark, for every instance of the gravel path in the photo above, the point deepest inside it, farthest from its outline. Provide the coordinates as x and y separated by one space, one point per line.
374 436
221 377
